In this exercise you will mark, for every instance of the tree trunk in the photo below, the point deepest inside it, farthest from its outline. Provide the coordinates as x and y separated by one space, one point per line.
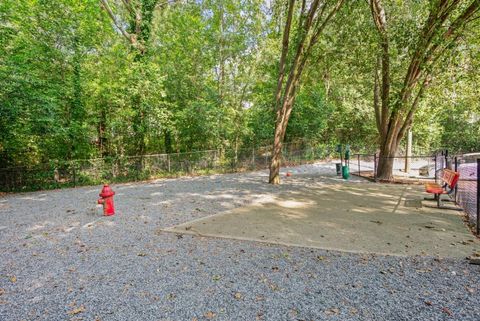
385 165
276 159
310 25
434 39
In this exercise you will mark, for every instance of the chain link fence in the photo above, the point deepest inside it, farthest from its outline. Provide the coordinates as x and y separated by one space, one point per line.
467 193
422 168
135 168
406 169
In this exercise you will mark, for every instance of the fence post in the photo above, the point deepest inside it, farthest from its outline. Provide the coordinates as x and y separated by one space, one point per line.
456 185
436 166
168 162
74 176
478 196
375 166
358 156
253 157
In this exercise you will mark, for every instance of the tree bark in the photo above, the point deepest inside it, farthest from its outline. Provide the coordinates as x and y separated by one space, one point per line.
433 40
311 23
385 163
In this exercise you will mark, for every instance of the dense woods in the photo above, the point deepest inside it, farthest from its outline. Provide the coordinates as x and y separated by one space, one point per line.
98 78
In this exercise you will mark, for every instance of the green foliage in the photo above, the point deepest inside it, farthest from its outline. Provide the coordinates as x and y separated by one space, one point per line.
72 87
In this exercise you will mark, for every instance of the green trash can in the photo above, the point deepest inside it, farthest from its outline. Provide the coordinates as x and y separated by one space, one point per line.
345 172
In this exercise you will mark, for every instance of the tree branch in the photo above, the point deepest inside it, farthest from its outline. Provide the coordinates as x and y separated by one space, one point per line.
283 58
380 19
376 97
128 36
409 118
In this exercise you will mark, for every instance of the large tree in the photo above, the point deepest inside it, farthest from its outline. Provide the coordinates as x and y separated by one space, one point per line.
395 103
133 21
311 17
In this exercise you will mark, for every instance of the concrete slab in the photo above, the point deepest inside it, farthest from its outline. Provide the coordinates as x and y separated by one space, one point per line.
354 217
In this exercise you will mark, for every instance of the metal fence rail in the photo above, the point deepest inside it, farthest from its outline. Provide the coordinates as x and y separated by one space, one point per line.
467 193
421 167
425 167
131 168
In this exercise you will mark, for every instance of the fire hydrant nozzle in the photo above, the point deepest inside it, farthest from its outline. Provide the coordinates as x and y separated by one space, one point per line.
107 200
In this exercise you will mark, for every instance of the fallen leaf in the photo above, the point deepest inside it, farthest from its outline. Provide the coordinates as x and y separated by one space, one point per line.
424 270
13 279
332 311
428 302
209 315
238 296
447 311
142 254
77 310
2 291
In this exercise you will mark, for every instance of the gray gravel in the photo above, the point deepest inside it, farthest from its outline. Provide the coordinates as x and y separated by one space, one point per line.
61 260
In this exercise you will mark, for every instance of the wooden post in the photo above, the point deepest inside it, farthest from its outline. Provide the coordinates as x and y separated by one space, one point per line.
375 166
168 162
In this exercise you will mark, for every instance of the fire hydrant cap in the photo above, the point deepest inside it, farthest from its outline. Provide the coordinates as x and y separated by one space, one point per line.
106 191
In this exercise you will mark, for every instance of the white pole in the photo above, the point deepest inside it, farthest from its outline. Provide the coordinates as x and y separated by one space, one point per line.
408 154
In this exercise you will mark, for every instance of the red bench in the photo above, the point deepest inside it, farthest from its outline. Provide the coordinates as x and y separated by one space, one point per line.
449 179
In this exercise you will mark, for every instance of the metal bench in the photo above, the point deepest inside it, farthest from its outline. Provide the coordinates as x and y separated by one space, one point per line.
449 180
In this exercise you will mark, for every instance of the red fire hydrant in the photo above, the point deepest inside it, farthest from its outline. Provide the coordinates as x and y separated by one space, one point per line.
107 200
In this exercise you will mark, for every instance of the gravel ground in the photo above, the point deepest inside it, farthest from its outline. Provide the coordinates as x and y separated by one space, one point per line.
61 260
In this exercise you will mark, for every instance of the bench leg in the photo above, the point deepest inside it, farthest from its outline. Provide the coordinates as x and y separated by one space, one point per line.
439 203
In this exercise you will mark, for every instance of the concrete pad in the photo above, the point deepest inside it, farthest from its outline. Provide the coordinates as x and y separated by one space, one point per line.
354 217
